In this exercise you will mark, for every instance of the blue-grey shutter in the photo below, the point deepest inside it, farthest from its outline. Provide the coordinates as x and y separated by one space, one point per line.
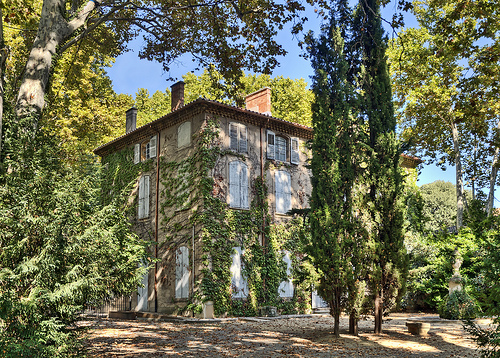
238 281
278 189
234 184
243 186
243 139
286 287
294 151
137 153
152 147
270 145
287 191
140 213
233 137
182 272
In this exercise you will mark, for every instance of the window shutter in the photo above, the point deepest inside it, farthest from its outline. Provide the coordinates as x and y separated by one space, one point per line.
278 192
243 139
270 145
137 153
286 287
234 183
146 196
280 148
243 186
233 137
152 147
140 213
287 192
182 272
294 151
238 281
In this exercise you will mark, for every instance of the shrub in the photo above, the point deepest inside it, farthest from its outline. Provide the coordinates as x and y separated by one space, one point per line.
458 305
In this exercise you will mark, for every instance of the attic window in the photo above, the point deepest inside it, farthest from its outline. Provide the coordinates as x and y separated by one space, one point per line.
238 137
145 150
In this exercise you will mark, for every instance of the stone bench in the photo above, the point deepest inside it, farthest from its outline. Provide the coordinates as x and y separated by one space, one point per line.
418 328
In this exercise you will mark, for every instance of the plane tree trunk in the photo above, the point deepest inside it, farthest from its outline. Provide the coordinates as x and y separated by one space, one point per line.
53 31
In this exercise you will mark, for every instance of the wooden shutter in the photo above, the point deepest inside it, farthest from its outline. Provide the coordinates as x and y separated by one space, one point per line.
238 281
233 137
152 147
243 185
294 151
182 272
140 213
270 145
278 189
243 139
234 184
282 191
137 153
146 196
287 191
142 291
286 287
280 148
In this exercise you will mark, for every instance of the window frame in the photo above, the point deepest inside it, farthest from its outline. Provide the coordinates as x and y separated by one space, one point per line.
282 193
179 128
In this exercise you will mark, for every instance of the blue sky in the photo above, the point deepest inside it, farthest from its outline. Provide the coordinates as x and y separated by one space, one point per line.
129 73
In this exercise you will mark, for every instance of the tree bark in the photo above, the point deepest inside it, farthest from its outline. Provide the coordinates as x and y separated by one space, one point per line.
459 177
493 178
378 312
353 323
53 30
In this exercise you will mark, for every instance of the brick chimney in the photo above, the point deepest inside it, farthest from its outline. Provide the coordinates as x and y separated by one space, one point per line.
130 120
177 95
259 101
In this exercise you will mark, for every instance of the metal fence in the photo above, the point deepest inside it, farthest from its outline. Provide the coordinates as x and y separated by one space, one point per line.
115 304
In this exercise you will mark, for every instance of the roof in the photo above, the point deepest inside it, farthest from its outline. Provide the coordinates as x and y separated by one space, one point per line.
202 105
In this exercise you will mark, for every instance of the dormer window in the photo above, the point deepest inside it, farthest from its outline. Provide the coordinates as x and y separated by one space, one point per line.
238 137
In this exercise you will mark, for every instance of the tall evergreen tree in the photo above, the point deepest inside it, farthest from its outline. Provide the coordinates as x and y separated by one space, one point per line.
336 243
383 201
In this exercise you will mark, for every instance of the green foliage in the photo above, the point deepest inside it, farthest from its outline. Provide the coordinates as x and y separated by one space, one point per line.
61 248
337 241
458 305
189 201
290 99
440 205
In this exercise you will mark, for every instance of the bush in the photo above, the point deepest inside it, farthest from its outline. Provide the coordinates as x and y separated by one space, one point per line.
458 305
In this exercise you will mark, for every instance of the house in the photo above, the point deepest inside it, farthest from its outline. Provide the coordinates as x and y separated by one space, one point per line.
214 183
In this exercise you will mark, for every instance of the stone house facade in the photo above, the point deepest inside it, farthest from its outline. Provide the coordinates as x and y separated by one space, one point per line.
251 144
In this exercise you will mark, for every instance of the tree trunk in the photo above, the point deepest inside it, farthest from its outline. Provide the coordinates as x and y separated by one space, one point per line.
378 312
53 30
353 323
459 179
493 178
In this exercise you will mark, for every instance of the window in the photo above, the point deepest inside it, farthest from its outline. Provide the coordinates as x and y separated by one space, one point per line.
286 287
182 272
143 197
294 151
280 148
238 185
277 147
184 135
145 150
238 281
238 137
283 192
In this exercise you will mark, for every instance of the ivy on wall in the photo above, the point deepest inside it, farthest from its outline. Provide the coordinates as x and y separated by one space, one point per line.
189 200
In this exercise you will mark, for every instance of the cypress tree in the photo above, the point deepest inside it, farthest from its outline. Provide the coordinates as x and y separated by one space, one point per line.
384 215
336 236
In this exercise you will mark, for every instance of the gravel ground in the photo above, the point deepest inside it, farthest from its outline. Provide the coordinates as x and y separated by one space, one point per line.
293 337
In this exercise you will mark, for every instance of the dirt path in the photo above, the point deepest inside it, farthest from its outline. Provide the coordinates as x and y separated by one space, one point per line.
294 337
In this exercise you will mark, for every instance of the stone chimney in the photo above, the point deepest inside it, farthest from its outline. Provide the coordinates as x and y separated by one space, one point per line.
131 120
259 101
177 95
